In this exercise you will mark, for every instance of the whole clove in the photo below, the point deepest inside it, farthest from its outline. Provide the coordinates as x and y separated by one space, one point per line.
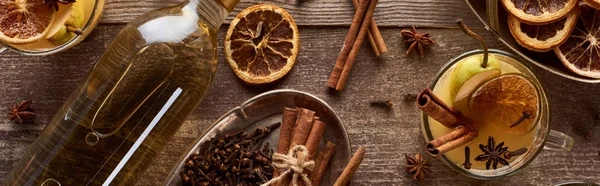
467 164
383 104
517 152
239 158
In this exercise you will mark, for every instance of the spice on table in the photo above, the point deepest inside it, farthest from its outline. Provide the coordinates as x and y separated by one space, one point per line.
416 166
322 163
374 36
238 158
409 97
384 104
492 154
467 164
21 111
352 43
518 152
416 40
351 168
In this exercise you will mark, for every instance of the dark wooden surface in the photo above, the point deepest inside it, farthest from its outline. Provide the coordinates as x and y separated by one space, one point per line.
387 136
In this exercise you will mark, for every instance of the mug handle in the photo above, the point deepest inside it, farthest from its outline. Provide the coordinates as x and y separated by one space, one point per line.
558 141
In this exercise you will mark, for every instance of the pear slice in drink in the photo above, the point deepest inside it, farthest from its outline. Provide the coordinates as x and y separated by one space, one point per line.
468 87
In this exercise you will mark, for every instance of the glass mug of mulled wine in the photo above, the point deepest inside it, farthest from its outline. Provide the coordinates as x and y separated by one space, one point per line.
488 122
58 25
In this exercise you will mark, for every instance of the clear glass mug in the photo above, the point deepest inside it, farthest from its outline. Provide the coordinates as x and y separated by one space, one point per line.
545 138
87 29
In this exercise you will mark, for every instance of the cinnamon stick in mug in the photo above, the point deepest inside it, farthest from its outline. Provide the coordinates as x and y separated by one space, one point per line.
435 108
452 140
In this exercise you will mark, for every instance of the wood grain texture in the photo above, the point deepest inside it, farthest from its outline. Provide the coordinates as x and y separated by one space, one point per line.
387 135
322 12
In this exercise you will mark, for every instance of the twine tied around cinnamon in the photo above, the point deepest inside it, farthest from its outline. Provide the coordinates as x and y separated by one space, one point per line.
295 162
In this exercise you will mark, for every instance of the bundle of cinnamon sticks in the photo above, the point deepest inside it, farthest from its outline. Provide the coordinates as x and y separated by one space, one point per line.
463 132
300 126
363 25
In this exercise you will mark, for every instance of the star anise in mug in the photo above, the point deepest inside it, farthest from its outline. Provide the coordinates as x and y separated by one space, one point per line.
21 111
417 40
416 166
54 3
492 153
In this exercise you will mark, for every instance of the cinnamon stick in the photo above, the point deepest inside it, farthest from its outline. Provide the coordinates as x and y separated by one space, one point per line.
348 43
351 167
435 108
321 164
314 138
288 120
304 123
452 140
356 47
374 36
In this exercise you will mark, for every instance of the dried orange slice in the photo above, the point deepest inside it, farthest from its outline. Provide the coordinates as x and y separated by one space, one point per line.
502 101
593 3
542 38
24 21
538 12
581 52
262 44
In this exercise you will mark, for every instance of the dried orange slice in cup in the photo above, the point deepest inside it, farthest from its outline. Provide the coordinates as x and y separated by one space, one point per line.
538 12
262 44
24 21
581 52
502 101
542 38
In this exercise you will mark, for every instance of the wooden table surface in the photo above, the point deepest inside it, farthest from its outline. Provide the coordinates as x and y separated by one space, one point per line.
387 136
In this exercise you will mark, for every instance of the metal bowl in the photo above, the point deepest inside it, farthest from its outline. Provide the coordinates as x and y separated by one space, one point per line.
266 109
494 17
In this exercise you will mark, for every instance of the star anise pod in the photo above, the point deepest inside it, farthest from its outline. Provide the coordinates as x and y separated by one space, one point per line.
417 40
493 154
21 111
416 166
54 3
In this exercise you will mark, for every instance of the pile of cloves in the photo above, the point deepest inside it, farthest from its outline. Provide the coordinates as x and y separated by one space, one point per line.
236 159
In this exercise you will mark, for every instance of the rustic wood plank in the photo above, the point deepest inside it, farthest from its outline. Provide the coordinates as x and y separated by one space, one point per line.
386 135
322 12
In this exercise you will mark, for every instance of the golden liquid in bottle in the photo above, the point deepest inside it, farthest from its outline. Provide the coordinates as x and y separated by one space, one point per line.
137 95
457 156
